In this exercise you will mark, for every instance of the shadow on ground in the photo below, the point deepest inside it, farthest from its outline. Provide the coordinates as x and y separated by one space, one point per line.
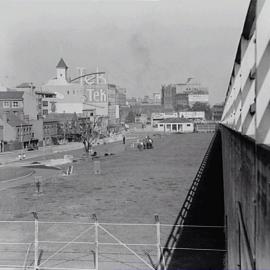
206 209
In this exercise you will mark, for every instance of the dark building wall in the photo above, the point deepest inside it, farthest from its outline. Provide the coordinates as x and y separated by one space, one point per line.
181 101
168 93
263 208
246 177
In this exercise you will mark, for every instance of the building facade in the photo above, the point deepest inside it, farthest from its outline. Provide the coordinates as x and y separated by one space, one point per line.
156 98
113 116
17 133
11 102
121 97
50 131
181 95
190 115
46 103
85 93
168 93
217 111
176 125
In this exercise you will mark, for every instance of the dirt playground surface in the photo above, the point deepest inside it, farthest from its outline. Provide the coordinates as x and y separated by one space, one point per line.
133 186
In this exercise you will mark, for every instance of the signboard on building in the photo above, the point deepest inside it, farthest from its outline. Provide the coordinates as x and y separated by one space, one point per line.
96 96
193 98
193 115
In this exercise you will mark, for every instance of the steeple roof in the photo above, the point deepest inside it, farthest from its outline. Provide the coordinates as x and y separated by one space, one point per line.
61 64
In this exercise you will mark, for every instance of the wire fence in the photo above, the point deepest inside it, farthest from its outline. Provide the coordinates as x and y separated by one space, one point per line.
76 245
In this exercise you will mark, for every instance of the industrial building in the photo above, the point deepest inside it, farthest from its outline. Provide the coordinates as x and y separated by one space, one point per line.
183 95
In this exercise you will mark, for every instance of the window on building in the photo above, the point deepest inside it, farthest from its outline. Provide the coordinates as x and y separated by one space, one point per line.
45 103
174 127
188 125
161 125
168 126
45 112
15 104
6 104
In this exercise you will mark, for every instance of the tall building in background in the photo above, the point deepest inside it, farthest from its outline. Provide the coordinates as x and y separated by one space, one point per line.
217 111
183 94
156 98
11 103
194 91
168 93
121 96
112 106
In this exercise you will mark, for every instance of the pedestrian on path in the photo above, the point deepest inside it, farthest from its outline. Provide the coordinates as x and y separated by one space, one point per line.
124 139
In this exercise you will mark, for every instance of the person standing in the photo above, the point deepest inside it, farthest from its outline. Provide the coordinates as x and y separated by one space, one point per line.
124 139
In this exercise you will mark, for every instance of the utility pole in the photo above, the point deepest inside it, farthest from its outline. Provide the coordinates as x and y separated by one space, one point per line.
81 73
22 136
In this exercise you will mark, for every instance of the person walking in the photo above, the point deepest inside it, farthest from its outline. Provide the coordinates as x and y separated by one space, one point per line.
124 139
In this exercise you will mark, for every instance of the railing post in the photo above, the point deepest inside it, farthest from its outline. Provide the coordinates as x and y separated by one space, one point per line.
96 241
158 241
36 267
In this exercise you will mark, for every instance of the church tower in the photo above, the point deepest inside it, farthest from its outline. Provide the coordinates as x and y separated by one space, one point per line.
61 70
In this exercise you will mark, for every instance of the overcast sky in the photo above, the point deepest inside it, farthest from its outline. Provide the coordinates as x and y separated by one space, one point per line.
139 44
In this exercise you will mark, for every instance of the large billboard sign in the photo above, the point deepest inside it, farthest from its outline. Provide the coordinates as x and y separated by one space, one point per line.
97 94
96 89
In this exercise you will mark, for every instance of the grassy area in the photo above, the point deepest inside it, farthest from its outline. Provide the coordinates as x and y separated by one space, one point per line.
133 186
13 173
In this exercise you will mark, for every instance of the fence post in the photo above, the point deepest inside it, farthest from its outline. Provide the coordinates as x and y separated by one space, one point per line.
36 241
158 240
96 241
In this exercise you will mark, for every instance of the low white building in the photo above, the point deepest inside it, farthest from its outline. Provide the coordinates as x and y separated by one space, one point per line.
176 125
192 115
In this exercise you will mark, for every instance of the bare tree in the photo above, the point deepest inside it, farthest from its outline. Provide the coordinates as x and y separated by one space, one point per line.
90 132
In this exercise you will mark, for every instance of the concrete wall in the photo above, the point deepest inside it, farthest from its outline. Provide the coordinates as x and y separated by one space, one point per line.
30 105
246 175
263 208
37 128
9 133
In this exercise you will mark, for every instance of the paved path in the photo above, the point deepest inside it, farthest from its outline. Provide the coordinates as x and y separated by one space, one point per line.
9 157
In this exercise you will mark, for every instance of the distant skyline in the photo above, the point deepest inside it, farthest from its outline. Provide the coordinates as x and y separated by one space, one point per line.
139 44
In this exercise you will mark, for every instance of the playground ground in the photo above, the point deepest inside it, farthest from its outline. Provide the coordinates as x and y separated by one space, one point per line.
133 186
